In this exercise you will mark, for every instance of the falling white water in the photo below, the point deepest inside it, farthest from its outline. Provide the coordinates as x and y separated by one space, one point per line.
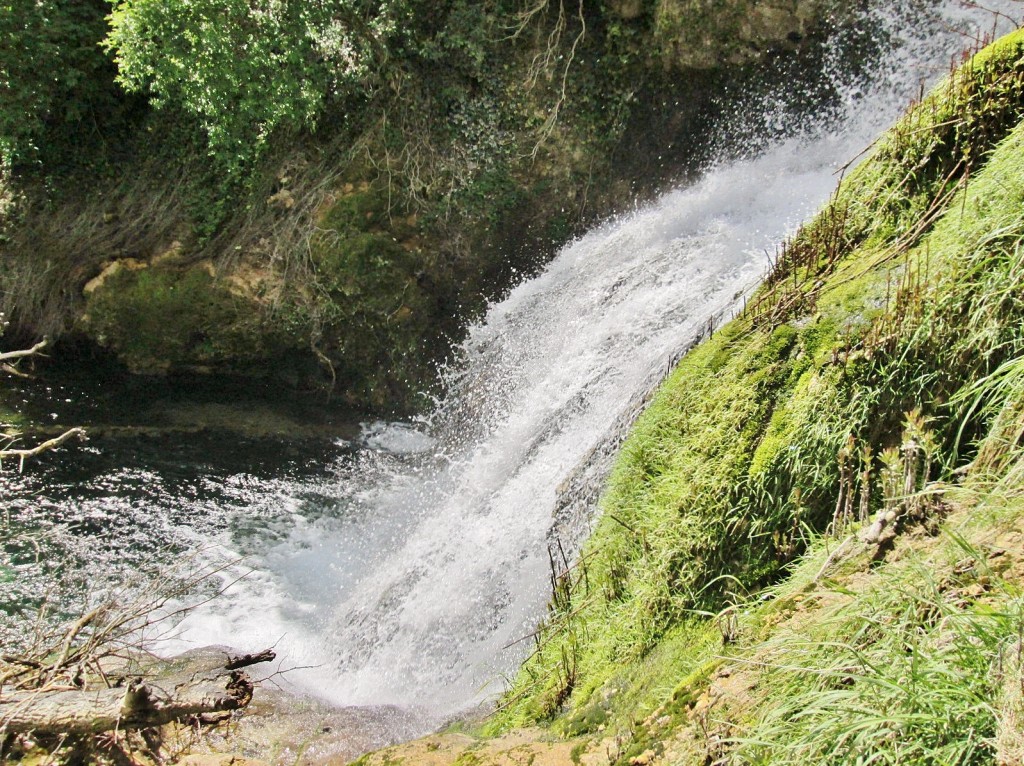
435 558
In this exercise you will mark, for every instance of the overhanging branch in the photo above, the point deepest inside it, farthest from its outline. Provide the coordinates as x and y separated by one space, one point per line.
24 454
12 356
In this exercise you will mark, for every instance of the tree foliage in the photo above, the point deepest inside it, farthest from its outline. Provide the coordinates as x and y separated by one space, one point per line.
52 70
245 68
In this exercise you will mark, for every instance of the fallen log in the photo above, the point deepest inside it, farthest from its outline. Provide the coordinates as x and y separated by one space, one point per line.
139 704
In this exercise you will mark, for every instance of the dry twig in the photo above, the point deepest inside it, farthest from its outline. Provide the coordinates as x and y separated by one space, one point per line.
89 686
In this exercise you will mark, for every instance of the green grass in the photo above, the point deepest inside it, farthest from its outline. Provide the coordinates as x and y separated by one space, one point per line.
901 674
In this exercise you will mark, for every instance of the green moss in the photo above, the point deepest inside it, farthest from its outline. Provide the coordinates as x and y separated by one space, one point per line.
780 342
469 758
576 754
697 34
387 760
362 210
365 266
587 720
994 56
380 321
938 143
785 421
162 318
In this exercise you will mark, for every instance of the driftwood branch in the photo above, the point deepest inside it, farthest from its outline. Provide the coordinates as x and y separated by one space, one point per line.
10 369
246 660
12 356
141 704
24 454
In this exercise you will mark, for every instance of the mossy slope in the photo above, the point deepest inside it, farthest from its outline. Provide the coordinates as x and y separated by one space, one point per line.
848 386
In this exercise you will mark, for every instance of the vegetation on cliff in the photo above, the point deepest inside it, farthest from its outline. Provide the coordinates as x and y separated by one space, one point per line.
238 136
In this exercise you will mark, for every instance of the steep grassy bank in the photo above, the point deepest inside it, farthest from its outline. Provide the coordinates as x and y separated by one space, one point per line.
353 254
853 438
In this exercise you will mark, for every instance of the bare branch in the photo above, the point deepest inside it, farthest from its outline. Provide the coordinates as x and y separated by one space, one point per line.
24 454
245 660
10 356
94 681
12 370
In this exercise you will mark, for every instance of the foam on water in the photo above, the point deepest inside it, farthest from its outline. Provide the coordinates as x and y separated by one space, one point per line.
440 559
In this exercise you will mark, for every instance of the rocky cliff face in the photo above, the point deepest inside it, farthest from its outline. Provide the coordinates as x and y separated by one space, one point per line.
695 34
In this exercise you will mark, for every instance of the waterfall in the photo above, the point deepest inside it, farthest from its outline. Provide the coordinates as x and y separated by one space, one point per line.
427 560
